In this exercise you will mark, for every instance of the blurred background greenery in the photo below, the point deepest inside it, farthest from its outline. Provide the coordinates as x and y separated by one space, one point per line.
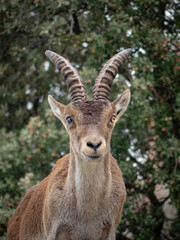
145 141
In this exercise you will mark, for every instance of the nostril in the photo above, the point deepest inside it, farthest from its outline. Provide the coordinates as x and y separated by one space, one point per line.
98 145
89 144
93 146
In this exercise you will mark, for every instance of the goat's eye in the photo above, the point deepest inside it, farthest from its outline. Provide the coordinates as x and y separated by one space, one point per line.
69 120
113 118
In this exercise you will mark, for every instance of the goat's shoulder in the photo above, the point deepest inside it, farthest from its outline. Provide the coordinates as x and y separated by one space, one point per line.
16 219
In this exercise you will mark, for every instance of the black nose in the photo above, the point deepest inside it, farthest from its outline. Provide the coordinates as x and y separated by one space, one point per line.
94 146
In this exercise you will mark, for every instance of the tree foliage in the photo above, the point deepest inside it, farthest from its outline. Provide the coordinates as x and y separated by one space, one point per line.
145 141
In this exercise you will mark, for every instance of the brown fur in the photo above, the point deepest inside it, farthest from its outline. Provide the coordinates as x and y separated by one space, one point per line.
27 220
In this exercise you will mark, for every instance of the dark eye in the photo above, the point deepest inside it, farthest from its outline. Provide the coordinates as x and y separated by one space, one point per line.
113 118
69 120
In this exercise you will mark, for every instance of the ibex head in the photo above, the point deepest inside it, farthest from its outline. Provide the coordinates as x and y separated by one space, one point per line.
90 123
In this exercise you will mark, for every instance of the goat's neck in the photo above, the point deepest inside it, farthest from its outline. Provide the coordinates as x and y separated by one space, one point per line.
90 183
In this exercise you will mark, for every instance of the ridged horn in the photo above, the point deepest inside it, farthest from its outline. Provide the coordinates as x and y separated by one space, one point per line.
102 86
70 74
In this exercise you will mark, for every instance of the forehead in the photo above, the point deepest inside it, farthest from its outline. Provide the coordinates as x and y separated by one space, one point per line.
92 111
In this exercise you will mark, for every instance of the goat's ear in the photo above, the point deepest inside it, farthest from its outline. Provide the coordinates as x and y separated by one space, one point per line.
56 107
121 103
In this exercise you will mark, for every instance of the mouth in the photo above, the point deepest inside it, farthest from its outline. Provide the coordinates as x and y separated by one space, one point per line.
92 157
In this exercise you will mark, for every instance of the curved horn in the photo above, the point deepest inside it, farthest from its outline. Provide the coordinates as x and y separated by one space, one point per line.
102 86
73 80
